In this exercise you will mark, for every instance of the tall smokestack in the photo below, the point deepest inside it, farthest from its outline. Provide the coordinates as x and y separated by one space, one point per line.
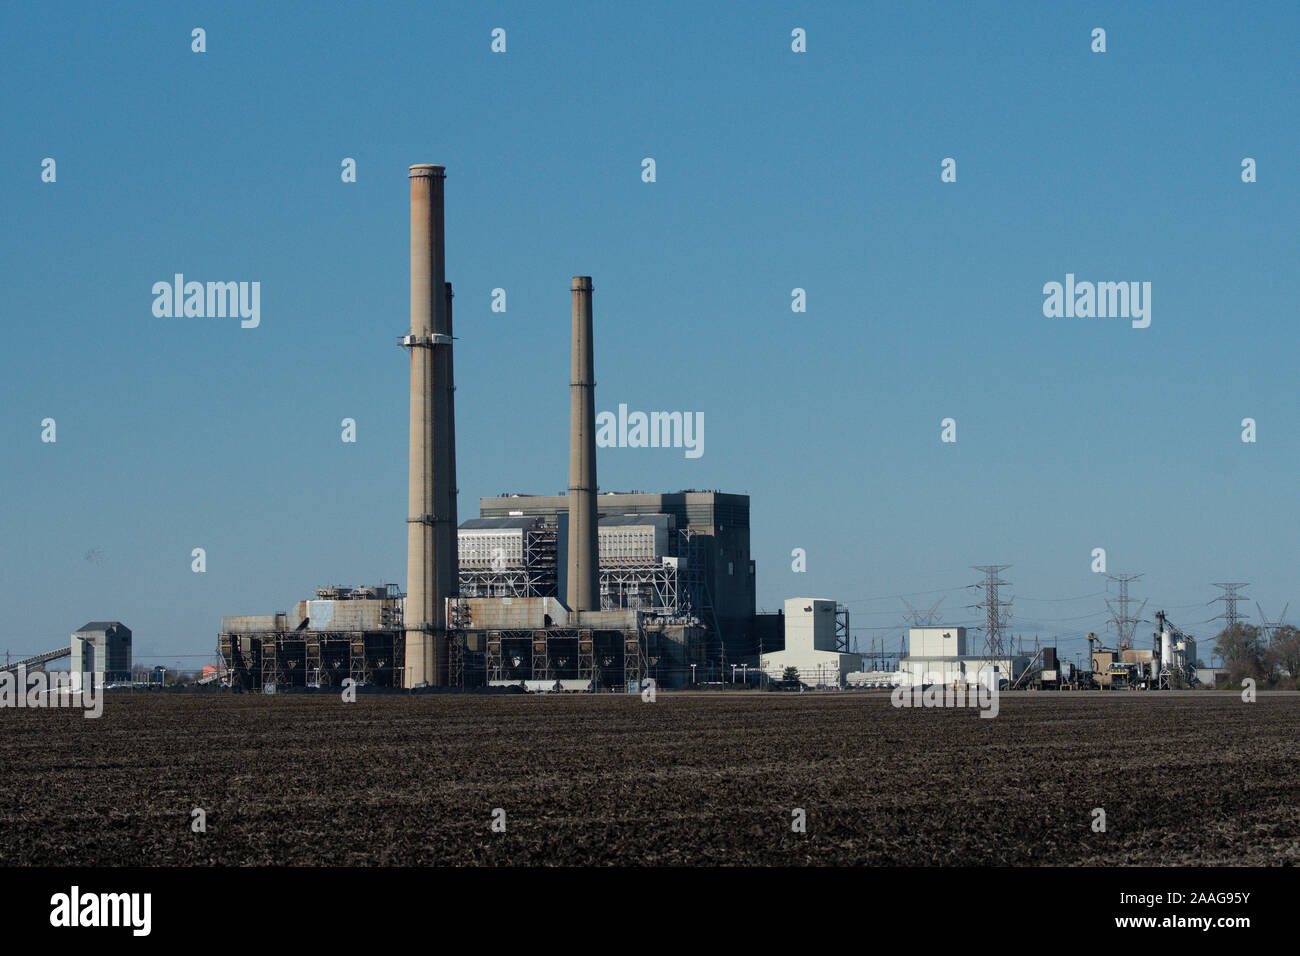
584 572
453 546
431 523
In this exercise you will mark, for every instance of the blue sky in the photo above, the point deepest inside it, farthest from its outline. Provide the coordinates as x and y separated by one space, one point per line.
775 170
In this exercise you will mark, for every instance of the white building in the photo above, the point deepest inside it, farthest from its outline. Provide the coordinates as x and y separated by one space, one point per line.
810 646
941 655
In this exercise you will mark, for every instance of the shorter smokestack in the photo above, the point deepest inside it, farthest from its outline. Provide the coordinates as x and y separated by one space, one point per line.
583 569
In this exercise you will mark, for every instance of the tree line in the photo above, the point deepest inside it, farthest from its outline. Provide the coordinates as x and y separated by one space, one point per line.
1269 658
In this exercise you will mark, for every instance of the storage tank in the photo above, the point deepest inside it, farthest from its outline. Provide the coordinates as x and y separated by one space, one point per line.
1166 650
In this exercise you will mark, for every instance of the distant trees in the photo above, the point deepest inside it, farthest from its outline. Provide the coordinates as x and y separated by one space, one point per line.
1283 653
1242 650
790 675
1245 653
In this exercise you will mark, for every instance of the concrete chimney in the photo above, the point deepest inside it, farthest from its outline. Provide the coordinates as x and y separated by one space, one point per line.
453 546
583 570
431 559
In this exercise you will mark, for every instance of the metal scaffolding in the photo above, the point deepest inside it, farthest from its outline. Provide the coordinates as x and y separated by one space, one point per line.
672 587
603 656
843 640
634 665
503 648
455 659
541 657
586 656
537 576
304 658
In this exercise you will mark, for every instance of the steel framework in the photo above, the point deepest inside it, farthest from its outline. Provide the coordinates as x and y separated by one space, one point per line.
1125 623
674 587
1267 626
997 613
311 658
842 633
500 662
37 660
634 664
455 659
563 652
536 577
650 587
1230 596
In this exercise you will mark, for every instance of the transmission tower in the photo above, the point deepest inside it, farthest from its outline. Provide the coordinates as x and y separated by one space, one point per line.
1267 626
1230 597
1125 623
927 618
996 612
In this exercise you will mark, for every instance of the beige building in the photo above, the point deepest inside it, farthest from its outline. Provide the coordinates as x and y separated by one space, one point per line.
810 646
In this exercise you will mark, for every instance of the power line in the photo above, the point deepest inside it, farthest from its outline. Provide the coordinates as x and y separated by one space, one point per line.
1050 620
926 618
904 626
1021 597
891 597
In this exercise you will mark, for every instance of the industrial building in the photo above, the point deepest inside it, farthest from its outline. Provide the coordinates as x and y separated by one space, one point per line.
1213 676
816 645
341 633
102 648
680 555
942 655
1169 662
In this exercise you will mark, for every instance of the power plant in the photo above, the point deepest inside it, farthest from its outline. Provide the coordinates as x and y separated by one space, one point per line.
580 592
590 591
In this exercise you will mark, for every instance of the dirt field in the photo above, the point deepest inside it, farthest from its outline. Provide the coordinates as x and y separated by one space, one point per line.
1183 779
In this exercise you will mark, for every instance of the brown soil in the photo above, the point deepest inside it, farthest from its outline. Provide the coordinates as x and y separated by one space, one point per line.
701 779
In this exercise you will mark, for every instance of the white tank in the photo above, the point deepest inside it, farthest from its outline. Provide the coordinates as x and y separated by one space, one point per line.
1166 650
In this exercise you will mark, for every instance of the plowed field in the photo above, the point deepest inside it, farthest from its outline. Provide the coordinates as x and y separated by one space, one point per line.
1183 779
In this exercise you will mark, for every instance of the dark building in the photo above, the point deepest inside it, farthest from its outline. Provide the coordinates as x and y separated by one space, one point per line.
102 647
720 523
